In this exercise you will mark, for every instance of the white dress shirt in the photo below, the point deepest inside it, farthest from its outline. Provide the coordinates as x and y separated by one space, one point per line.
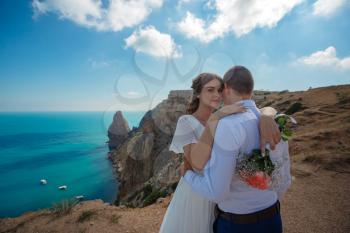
237 134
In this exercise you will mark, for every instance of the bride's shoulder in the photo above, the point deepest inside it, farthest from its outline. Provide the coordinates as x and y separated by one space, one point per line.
185 116
185 119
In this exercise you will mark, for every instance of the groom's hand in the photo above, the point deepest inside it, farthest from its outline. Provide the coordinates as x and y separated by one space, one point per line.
269 132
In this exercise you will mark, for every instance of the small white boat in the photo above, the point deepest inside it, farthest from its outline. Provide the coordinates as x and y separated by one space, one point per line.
43 181
63 187
81 197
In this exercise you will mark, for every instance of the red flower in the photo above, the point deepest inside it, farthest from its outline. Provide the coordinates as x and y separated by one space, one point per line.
257 180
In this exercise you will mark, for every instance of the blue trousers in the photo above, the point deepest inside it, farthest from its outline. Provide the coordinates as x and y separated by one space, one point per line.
271 225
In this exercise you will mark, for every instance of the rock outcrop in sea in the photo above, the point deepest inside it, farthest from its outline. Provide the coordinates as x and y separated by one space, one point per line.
117 131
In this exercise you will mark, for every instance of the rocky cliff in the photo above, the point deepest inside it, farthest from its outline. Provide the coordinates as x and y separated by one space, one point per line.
117 131
145 166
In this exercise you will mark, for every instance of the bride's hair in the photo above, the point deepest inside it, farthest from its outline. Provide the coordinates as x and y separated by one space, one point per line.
197 86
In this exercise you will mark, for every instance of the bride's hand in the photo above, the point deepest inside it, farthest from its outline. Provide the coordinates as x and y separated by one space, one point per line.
228 110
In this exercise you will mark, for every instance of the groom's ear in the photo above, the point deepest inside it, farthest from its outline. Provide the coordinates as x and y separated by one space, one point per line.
227 89
225 86
251 95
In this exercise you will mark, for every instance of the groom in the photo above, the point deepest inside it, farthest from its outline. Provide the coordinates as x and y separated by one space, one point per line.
240 208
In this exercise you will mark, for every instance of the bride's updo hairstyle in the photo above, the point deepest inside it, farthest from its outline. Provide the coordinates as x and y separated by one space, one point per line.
197 85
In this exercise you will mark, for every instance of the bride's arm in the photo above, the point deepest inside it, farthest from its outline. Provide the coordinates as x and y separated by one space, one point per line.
198 154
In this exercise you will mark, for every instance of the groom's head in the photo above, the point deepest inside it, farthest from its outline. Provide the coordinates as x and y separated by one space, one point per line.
239 84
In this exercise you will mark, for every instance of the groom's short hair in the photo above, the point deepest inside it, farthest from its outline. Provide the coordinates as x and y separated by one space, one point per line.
239 79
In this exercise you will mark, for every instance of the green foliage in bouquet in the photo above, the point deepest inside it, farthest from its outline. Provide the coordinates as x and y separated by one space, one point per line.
258 162
282 120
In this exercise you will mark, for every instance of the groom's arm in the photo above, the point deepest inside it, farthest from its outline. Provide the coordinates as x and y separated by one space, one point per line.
269 131
215 184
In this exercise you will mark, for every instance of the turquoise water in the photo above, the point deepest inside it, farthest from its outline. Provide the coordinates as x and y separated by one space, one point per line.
65 148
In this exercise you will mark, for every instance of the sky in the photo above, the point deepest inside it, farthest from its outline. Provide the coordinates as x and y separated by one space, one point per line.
108 55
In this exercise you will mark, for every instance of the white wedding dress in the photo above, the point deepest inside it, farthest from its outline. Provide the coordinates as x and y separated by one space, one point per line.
187 212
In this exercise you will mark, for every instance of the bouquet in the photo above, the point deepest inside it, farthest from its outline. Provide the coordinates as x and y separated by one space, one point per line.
257 168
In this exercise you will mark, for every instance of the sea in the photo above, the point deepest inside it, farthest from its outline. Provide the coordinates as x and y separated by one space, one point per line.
64 148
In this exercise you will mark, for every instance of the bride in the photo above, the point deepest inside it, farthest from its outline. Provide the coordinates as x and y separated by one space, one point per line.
188 212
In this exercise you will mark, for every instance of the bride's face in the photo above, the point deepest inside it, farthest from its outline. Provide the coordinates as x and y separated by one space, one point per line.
211 94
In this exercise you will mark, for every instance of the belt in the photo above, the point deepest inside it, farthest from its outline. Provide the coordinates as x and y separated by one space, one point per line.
250 218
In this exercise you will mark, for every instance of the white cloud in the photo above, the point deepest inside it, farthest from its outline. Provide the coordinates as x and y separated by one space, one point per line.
328 57
238 16
327 7
128 13
117 15
150 41
193 27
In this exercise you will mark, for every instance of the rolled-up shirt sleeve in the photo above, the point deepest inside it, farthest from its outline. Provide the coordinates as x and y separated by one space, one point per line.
214 184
